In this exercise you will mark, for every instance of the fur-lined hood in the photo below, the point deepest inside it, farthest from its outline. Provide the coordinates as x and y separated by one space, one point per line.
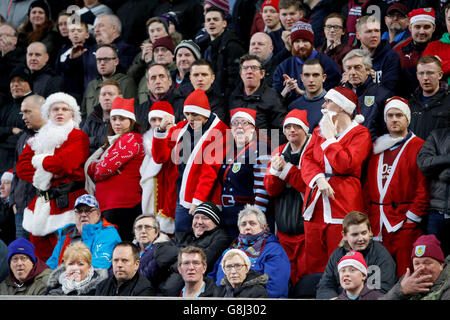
54 287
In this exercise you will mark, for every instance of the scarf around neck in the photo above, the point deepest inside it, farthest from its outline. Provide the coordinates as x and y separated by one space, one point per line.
252 245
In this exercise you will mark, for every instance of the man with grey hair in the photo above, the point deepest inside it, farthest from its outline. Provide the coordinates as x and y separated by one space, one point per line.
371 96
385 61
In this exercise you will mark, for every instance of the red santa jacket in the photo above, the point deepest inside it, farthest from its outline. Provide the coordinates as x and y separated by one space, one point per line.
340 161
199 182
117 175
63 166
405 192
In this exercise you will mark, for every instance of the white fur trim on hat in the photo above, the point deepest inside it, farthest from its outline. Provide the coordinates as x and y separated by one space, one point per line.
7 176
197 109
354 263
341 100
297 121
159 114
403 107
422 17
245 115
65 98
123 113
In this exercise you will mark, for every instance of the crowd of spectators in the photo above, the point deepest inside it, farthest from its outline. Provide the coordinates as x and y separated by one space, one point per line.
266 148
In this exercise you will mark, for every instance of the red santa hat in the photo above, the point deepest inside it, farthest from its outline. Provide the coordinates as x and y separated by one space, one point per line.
422 14
399 103
347 100
197 102
123 107
7 175
298 117
160 109
64 98
246 113
272 3
354 259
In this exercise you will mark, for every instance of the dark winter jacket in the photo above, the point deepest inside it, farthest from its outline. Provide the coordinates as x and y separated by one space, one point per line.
224 54
46 82
54 287
96 128
426 117
3 261
375 255
434 162
312 107
9 118
7 222
372 98
386 64
254 286
136 286
270 111
365 294
440 290
212 242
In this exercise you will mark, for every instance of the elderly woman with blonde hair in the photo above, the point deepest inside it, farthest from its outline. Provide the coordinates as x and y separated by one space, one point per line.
240 280
75 276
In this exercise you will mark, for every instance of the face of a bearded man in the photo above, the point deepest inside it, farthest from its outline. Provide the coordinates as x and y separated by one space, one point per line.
302 48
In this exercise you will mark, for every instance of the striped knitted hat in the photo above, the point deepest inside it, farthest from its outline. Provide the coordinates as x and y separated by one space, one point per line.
210 210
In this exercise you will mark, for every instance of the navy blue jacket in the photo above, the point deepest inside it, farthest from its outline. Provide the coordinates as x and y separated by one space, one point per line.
371 98
386 63
293 66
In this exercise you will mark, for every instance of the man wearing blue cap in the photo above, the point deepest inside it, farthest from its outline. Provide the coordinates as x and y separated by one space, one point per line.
28 274
97 234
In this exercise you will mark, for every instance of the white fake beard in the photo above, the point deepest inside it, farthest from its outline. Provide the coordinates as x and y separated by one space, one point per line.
385 142
50 137
326 114
148 141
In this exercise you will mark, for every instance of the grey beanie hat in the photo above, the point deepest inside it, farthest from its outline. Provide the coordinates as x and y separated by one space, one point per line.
191 45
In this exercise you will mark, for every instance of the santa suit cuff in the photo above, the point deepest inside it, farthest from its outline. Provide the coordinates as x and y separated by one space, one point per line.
285 171
327 142
313 180
414 217
196 202
274 172
37 160
160 135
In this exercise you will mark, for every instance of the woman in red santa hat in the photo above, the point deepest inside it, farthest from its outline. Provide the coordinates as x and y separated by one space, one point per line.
114 168
53 161
331 168
158 190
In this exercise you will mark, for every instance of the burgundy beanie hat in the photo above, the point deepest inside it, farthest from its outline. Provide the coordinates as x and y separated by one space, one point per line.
428 246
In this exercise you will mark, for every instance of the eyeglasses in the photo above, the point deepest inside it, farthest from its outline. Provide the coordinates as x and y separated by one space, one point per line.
330 26
237 267
106 59
22 258
195 263
427 73
86 210
243 124
252 68
145 227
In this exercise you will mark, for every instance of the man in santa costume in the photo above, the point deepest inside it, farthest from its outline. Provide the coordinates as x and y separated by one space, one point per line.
197 147
53 161
331 168
396 192
284 182
158 190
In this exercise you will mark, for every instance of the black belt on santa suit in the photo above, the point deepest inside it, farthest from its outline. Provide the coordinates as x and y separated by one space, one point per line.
393 204
61 193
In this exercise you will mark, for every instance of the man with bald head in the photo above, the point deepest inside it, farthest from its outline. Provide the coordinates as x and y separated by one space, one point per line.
22 192
261 46
45 81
